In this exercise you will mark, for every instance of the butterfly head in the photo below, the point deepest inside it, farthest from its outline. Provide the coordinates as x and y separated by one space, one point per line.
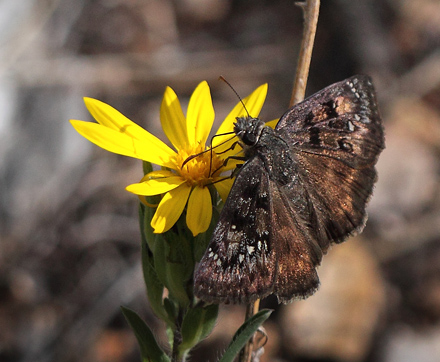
248 130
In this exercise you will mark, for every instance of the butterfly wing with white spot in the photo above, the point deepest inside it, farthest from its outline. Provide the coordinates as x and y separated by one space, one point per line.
239 264
336 136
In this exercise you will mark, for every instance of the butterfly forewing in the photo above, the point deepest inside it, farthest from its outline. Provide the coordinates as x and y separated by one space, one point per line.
304 186
239 265
341 121
336 136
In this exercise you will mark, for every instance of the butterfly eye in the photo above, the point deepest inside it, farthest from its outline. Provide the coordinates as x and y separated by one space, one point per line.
249 138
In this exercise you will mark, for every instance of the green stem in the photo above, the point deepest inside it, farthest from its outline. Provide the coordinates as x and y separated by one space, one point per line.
177 338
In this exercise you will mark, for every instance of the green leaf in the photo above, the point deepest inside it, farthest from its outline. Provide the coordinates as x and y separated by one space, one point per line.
153 284
160 258
197 324
209 320
174 262
145 217
180 267
170 335
147 212
243 334
171 309
170 271
150 350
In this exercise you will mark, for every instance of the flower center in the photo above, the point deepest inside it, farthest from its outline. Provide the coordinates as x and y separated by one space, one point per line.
201 169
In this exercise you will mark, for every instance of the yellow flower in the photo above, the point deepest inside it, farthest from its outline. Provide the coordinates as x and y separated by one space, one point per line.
180 185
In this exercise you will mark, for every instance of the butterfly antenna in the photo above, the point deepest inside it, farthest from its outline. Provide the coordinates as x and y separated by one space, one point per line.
230 86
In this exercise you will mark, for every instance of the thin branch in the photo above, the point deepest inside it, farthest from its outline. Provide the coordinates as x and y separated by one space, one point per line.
311 12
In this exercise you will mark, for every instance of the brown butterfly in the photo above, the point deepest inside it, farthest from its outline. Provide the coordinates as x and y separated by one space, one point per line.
304 185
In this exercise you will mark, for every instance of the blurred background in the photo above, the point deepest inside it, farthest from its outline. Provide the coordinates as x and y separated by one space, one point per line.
70 246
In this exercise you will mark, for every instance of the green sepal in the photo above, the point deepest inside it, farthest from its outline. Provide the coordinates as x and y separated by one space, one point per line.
197 324
147 167
150 349
243 334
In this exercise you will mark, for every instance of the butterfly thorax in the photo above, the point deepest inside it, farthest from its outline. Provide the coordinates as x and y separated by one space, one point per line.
259 140
255 136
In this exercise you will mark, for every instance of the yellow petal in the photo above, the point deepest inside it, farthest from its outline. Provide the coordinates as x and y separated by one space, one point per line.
200 115
170 208
223 187
172 119
272 123
154 151
111 118
155 186
199 213
254 102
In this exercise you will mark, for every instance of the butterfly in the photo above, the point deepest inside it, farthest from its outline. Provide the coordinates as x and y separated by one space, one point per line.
304 186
